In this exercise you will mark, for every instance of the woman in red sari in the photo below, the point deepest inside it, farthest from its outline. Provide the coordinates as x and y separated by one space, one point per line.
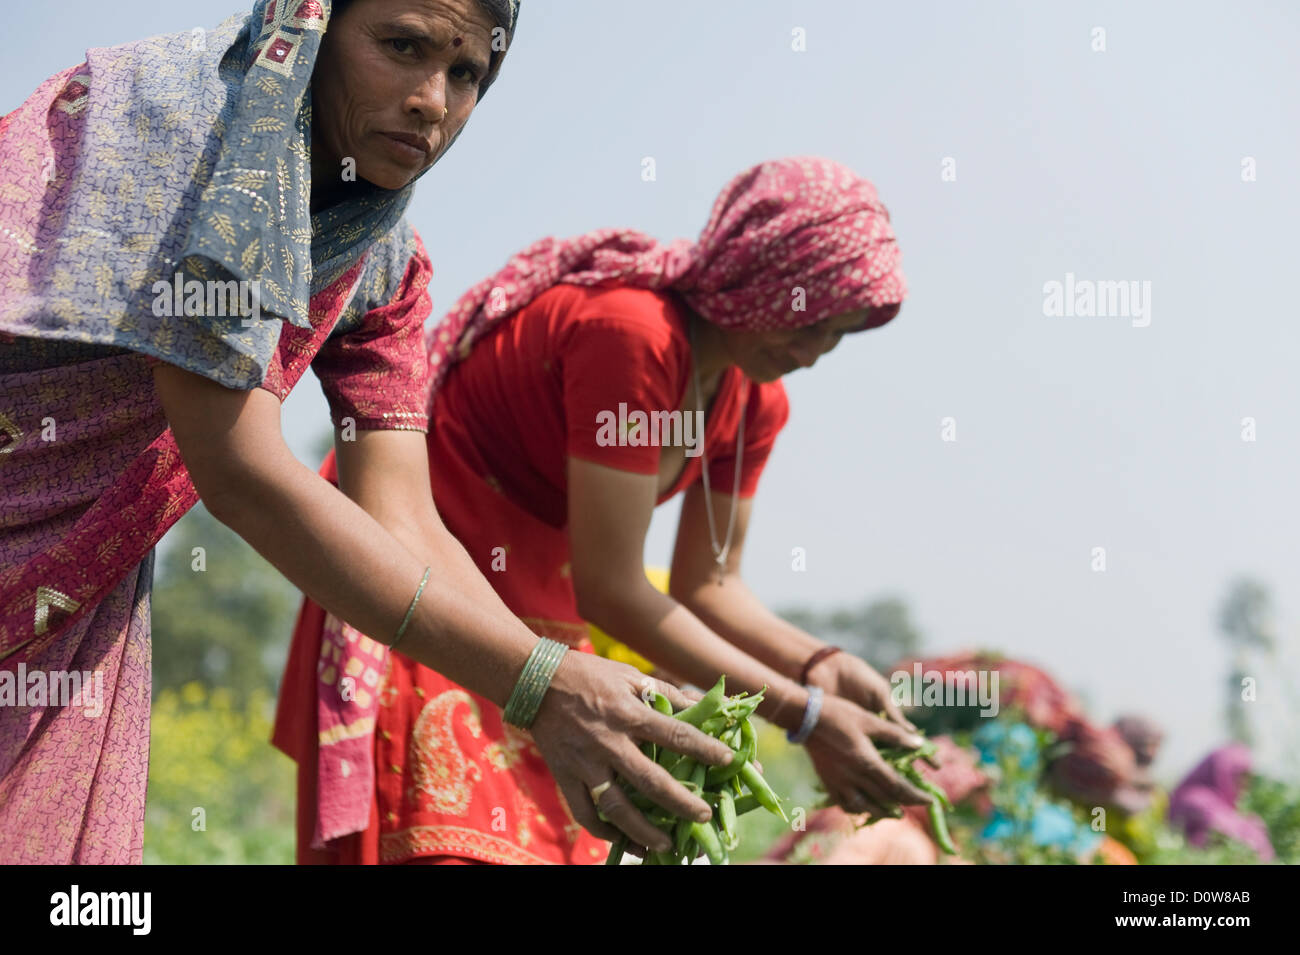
570 400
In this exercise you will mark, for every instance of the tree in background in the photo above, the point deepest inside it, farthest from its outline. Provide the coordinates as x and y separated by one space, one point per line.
222 615
222 619
1245 620
879 632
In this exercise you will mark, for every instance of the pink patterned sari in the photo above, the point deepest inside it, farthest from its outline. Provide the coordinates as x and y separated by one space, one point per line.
90 475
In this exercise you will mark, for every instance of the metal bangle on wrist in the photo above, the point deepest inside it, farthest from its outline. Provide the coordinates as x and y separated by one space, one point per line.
526 698
812 711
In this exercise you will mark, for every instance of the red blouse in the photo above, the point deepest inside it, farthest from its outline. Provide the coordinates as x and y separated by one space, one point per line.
550 380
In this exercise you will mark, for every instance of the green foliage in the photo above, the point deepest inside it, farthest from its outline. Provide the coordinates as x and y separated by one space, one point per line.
1172 848
211 753
1277 803
1245 623
227 625
880 632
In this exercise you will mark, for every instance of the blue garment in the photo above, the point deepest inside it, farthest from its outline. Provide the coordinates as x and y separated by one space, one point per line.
1050 826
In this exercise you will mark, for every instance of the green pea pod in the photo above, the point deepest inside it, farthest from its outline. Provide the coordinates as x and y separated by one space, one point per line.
661 704
726 857
926 752
901 758
749 737
707 706
719 775
707 837
715 725
940 826
667 758
727 822
698 776
616 851
682 838
935 790
747 803
921 782
685 768
745 709
752 778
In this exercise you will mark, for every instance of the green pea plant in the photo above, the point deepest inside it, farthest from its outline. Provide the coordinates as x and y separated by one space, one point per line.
732 790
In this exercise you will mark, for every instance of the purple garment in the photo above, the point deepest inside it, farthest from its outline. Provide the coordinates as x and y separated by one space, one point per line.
1206 801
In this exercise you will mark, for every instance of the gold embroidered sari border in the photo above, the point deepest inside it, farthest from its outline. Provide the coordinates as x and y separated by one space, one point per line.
455 841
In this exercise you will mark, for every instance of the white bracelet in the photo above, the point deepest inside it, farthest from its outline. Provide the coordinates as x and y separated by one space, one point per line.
811 713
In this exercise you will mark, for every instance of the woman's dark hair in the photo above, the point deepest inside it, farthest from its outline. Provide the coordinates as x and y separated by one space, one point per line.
498 12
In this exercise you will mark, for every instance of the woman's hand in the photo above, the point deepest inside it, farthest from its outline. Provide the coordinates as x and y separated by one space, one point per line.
855 775
588 730
851 677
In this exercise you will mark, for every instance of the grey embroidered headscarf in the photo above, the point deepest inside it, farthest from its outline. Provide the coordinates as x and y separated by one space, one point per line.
253 218
189 153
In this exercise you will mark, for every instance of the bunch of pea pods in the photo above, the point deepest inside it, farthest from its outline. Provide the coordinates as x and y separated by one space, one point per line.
731 790
904 763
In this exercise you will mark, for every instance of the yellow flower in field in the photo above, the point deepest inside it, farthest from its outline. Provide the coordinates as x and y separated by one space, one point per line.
607 646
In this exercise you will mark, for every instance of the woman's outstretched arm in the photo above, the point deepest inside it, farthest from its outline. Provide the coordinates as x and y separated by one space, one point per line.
609 513
592 719
734 612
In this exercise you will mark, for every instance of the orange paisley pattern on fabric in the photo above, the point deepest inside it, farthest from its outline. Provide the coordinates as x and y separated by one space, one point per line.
443 776
452 778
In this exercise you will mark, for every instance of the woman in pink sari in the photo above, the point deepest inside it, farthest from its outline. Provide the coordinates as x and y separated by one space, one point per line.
139 192
1204 804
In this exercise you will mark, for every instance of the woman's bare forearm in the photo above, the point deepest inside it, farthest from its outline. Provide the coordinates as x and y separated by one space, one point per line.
664 631
346 561
733 612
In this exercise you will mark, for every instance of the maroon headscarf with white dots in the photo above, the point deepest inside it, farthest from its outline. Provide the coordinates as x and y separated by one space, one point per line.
789 243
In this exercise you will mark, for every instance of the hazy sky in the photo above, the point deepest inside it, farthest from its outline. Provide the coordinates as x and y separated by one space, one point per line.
1071 433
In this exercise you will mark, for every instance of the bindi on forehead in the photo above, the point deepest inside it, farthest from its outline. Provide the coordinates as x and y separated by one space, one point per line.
456 42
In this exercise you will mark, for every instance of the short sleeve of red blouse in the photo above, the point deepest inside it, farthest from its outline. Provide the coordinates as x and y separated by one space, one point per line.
377 373
765 415
621 360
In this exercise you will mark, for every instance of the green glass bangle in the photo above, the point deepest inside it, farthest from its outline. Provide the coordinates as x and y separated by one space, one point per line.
534 682
517 693
526 698
411 609
513 712
541 682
